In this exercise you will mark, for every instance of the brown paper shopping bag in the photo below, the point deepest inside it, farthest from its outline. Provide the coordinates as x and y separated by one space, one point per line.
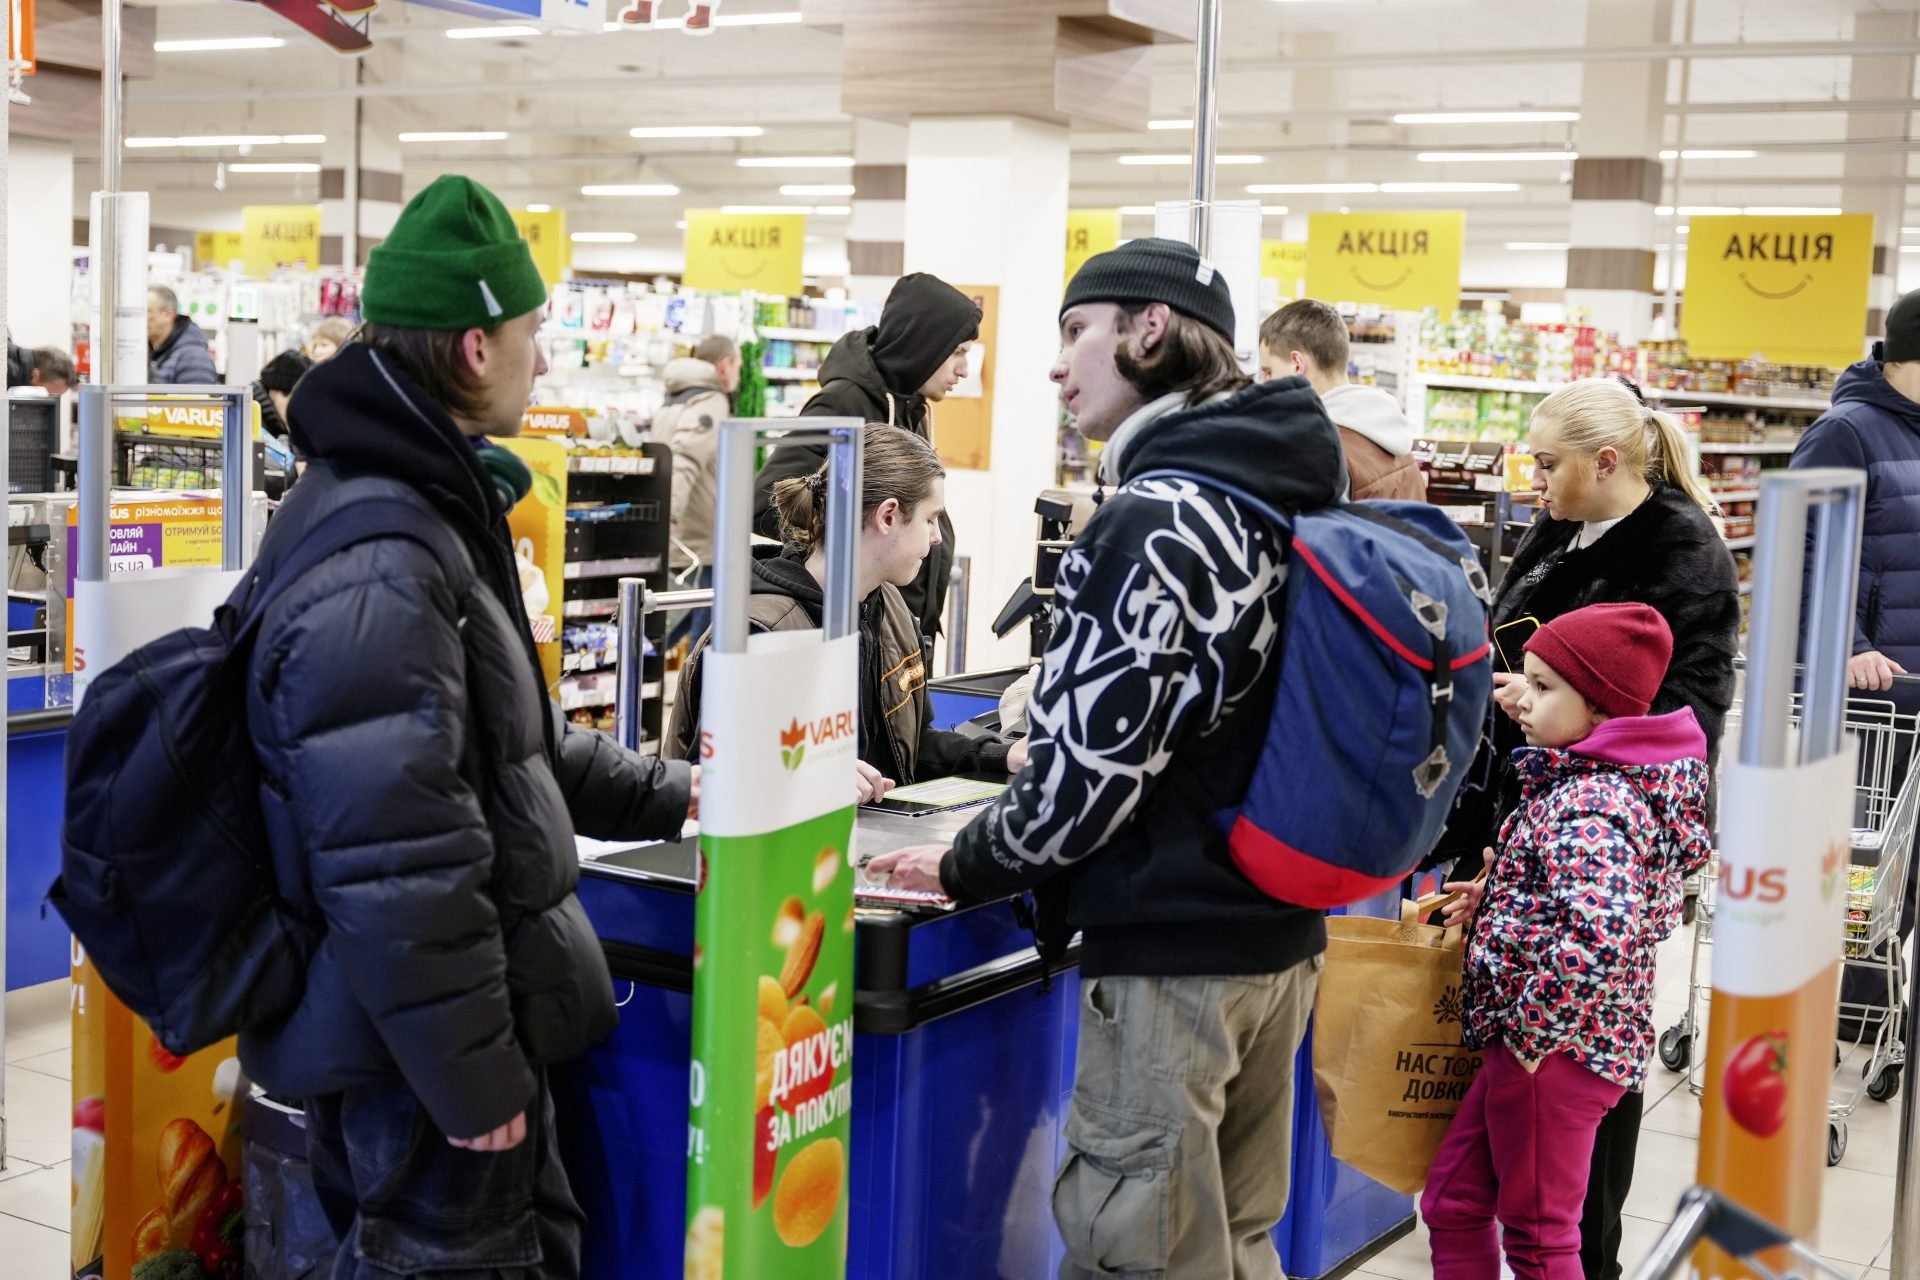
1388 1064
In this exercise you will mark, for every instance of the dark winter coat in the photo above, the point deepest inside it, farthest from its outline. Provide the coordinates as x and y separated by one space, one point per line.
875 375
421 790
1874 428
184 358
1154 698
1667 554
896 734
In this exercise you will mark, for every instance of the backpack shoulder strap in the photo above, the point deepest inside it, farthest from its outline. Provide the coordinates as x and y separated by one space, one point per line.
380 516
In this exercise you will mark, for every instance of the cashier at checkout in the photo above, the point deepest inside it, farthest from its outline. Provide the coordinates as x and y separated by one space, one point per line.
903 493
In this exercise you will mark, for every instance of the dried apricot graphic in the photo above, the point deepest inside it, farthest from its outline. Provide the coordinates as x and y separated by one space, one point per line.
809 1192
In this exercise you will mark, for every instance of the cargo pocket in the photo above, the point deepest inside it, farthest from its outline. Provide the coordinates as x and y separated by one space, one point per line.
1113 1198
463 1245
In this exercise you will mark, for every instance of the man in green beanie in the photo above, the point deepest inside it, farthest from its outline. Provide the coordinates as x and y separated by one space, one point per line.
421 789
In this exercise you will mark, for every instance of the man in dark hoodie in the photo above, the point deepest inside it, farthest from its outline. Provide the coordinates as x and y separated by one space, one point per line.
1874 426
1147 719
893 372
177 351
421 790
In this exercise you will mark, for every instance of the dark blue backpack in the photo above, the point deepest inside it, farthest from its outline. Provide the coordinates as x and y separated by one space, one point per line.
1384 687
165 874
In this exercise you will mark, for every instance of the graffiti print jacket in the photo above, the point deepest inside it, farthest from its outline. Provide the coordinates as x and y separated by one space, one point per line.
1585 886
1154 697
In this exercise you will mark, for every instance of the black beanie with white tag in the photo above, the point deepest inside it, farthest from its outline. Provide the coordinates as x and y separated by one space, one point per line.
1169 271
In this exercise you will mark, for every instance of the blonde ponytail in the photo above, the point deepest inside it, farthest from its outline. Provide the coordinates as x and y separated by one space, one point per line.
1601 413
894 464
1669 459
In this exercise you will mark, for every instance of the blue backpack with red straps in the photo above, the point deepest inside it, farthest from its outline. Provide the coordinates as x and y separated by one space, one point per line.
1384 688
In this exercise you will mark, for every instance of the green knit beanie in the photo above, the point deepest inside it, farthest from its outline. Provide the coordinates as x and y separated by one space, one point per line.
453 261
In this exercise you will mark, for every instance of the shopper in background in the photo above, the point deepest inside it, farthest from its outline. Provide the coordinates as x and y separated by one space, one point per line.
1308 339
1149 714
423 791
1623 519
1558 987
1874 426
177 351
892 372
328 337
271 392
700 391
902 495
48 368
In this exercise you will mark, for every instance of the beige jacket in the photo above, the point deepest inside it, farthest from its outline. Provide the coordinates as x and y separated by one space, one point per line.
690 421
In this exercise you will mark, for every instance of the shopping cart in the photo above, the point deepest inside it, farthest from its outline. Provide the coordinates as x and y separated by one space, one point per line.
1886 803
1743 1234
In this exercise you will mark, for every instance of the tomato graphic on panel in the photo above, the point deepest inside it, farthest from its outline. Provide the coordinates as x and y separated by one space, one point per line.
1756 1084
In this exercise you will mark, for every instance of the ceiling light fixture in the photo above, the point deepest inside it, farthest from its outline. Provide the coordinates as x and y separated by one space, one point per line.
217 46
1435 188
817 189
1486 117
1273 211
1169 124
630 189
1311 188
539 208
273 168
1177 158
1702 210
696 131
795 162
1492 157
1709 153
456 135
507 32
228 140
603 237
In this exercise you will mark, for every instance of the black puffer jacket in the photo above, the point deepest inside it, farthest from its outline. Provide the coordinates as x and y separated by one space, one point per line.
1154 698
875 375
1666 554
423 791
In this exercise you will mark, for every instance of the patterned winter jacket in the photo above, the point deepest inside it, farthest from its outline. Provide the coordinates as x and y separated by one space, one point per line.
1586 885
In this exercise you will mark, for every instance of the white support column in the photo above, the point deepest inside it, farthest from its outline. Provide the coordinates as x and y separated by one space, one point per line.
1616 180
877 231
987 205
1871 178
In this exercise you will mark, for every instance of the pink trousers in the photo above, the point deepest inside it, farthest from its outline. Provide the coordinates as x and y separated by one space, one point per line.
1518 1151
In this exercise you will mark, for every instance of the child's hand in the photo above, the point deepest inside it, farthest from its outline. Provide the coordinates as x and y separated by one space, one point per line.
1462 908
1508 686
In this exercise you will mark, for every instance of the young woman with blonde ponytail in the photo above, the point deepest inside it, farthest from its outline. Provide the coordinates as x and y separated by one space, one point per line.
1624 519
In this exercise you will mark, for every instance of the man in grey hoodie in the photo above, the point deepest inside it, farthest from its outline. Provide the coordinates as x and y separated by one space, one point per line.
1309 338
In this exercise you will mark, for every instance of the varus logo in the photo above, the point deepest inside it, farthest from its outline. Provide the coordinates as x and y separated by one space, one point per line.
797 737
1743 883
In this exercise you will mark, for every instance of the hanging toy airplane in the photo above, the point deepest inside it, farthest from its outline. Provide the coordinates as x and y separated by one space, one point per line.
341 25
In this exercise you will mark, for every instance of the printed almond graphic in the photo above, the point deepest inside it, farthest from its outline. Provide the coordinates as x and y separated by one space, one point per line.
786 925
773 1001
706 1238
803 955
809 1192
827 997
825 868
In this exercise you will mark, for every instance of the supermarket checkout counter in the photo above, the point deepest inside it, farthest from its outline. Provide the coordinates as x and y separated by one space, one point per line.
964 1059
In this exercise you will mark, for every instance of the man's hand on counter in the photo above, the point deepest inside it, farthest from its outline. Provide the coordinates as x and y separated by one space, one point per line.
693 797
869 783
916 867
1017 757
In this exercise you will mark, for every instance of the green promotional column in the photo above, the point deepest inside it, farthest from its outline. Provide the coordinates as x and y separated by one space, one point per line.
771 1085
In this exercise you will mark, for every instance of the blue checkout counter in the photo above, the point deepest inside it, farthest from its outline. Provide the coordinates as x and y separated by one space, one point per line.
964 1074
37 944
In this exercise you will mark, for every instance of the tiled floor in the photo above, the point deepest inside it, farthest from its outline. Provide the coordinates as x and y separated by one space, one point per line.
1856 1217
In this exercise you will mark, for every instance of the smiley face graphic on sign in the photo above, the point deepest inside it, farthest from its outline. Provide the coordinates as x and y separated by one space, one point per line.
737 251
